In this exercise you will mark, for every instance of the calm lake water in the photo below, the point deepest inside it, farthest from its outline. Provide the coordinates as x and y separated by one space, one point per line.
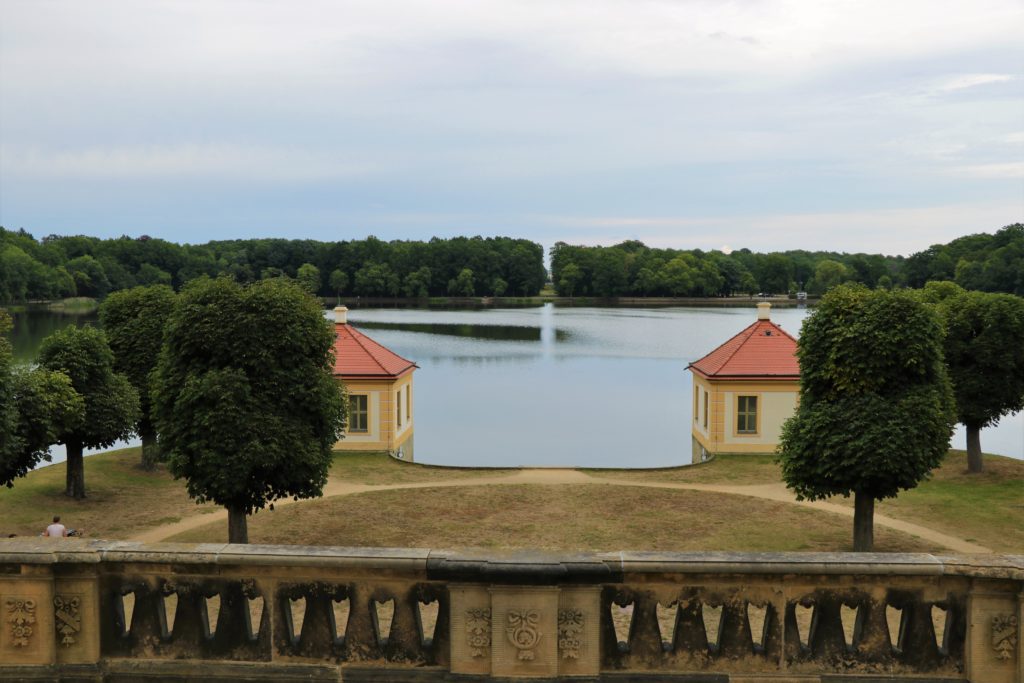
595 387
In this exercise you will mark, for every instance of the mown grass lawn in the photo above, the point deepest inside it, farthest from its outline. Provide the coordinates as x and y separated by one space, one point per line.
568 517
987 508
125 500
379 468
122 499
753 468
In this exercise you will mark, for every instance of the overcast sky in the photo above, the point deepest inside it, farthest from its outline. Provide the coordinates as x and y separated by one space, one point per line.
866 125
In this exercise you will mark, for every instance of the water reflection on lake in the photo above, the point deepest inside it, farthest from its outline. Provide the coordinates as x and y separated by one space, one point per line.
600 387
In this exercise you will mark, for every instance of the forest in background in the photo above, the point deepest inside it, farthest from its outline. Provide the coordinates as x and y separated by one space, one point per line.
57 267
991 263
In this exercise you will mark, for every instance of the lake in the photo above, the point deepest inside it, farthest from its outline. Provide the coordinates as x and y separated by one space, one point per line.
550 386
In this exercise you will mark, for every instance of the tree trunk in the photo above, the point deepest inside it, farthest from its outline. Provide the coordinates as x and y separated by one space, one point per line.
863 522
238 526
150 448
75 471
974 461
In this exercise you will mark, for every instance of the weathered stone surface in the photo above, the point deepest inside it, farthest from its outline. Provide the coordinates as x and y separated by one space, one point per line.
536 615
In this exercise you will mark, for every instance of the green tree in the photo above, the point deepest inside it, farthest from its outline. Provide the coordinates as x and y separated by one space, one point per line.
678 275
985 356
748 283
775 273
611 276
89 275
569 280
151 275
244 398
376 279
111 402
35 405
47 406
498 286
463 284
876 408
8 406
417 283
308 277
133 320
338 281
827 274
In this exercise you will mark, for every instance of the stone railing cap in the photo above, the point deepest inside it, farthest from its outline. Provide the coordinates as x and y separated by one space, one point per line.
527 567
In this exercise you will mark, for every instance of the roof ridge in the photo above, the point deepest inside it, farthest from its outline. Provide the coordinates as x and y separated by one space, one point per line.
782 330
358 337
739 346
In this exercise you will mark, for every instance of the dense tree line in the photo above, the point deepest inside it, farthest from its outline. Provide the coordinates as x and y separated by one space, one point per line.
983 262
57 267
987 263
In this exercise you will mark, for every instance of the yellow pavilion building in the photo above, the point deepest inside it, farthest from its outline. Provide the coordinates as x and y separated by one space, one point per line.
744 390
380 393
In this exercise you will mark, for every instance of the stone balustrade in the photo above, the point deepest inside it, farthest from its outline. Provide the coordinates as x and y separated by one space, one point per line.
77 610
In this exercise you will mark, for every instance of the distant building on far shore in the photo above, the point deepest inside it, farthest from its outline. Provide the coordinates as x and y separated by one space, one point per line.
379 383
744 390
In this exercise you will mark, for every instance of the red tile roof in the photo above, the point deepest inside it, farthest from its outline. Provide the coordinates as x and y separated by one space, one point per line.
762 351
358 356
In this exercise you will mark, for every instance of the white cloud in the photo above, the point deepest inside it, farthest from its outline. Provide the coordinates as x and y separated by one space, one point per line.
892 231
971 81
1013 169
182 160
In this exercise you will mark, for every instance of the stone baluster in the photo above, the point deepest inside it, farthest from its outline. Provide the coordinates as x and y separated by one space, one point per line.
917 647
404 643
871 641
690 636
644 643
361 635
827 640
119 638
734 639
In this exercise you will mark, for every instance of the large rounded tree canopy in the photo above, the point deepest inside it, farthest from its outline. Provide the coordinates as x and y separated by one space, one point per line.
244 400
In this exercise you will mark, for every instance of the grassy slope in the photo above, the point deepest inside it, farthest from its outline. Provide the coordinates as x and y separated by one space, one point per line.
565 517
728 469
378 468
986 508
125 500
122 499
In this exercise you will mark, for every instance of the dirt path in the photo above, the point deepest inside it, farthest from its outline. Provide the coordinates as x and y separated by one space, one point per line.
774 492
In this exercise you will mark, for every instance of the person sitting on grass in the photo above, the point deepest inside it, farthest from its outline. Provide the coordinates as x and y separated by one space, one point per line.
56 530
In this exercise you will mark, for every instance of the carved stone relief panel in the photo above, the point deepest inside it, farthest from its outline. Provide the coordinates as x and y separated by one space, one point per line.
20 615
579 613
26 620
67 618
525 631
471 629
1004 635
478 631
993 645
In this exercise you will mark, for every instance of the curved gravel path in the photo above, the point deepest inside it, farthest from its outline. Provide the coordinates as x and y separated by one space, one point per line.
774 492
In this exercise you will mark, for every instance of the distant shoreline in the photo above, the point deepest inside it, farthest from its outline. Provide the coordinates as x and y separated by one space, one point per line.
527 301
